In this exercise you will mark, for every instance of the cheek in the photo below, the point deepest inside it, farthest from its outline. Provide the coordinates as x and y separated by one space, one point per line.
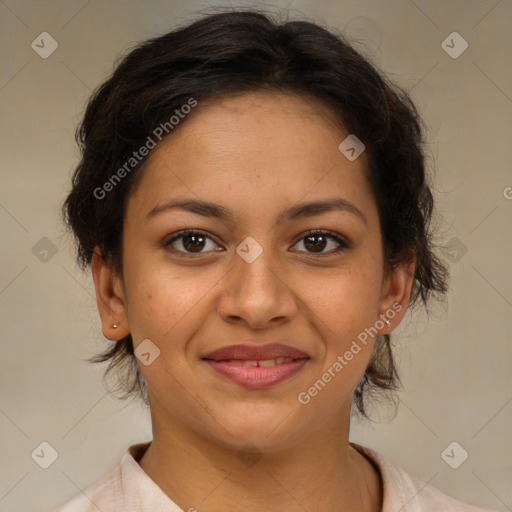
347 307
346 300
159 301
164 310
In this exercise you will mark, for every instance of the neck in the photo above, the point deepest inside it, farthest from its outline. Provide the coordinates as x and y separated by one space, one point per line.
323 473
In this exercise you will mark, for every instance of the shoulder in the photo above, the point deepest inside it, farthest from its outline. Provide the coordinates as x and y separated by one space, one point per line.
127 487
402 491
99 496
126 483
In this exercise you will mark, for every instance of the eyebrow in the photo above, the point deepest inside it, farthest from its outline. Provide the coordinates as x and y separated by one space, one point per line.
309 209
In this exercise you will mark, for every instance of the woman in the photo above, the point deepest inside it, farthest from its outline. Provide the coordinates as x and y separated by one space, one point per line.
252 201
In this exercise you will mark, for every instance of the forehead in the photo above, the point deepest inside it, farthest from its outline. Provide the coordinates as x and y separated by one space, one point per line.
266 114
276 128
265 147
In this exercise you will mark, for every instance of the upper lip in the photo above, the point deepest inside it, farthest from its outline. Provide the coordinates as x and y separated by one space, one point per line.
260 352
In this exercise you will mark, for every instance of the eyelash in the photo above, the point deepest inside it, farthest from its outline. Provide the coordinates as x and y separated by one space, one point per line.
329 234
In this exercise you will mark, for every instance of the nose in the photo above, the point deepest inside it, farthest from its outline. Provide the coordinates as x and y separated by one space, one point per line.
256 292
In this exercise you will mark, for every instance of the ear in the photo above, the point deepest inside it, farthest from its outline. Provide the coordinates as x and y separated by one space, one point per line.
396 293
109 297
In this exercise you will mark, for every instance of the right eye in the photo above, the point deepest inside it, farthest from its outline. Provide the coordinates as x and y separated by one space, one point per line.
192 241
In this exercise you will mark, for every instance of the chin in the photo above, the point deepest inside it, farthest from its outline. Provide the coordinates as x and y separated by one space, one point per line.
266 427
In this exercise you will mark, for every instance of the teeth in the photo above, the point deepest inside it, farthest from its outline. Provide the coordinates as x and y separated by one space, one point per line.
264 363
267 362
249 363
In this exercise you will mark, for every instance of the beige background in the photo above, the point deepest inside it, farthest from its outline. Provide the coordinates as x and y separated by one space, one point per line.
456 367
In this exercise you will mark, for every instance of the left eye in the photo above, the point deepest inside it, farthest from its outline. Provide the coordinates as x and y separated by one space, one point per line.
194 241
317 240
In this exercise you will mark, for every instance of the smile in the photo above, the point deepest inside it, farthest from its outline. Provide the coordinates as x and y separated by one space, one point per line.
257 373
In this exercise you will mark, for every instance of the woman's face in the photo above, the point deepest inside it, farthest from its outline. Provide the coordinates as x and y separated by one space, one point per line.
255 276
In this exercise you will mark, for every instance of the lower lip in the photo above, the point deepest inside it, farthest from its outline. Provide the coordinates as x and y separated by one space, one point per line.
257 376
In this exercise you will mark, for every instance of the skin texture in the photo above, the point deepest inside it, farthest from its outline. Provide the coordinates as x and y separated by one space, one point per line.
256 154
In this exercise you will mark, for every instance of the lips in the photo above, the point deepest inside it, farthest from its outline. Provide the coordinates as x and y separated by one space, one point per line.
245 352
257 366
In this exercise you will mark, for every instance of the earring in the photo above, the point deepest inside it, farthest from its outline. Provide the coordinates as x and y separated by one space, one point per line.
388 322
115 326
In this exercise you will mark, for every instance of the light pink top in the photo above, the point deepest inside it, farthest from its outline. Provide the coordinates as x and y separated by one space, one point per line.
129 489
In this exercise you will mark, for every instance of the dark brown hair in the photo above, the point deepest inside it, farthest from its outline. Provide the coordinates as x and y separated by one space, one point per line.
234 52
